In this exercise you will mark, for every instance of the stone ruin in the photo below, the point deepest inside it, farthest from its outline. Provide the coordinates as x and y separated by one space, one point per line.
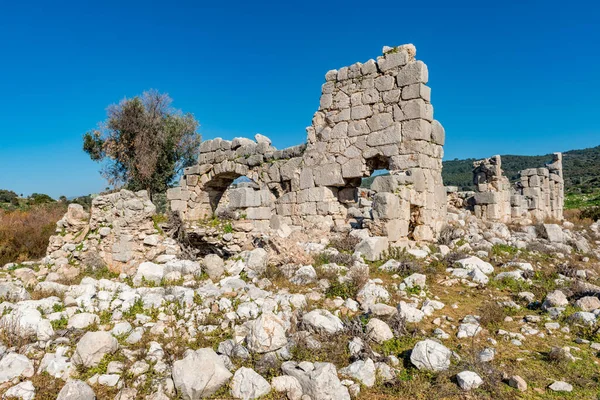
119 232
538 193
371 116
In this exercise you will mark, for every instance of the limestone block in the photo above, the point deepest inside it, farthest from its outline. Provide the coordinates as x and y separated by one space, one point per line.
372 248
488 197
438 134
306 178
384 183
386 206
352 168
331 75
412 109
328 175
341 100
391 96
390 135
423 233
258 213
416 129
285 210
411 73
370 67
396 229
356 128
174 194
244 197
178 205
342 74
339 131
380 121
370 96
383 83
416 91
361 112
307 208
191 180
327 207
315 194
395 59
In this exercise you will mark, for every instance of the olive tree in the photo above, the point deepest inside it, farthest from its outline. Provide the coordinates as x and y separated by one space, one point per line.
144 143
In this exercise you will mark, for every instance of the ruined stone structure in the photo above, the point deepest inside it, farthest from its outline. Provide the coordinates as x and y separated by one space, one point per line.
371 116
493 191
538 193
118 232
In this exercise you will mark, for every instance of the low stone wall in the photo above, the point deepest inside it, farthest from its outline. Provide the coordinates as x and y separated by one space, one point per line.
537 195
119 232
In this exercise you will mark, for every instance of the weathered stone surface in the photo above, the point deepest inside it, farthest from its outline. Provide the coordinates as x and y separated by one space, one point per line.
247 384
199 374
373 248
14 365
149 272
214 266
267 333
76 390
318 380
92 347
431 355
518 383
378 331
468 380
322 321
363 371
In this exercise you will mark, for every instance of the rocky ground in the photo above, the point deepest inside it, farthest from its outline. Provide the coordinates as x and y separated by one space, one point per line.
495 312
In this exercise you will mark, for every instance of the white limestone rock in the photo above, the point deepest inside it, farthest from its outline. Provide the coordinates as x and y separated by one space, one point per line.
92 347
323 321
149 272
14 365
199 374
247 384
363 371
318 380
267 333
430 355
76 390
468 380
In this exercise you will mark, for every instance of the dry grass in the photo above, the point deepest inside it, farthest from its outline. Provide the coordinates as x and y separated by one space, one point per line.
24 234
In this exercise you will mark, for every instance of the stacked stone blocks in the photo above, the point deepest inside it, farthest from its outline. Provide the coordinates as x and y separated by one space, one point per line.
371 116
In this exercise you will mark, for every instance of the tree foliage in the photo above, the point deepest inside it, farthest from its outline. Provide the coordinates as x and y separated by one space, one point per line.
144 143
8 196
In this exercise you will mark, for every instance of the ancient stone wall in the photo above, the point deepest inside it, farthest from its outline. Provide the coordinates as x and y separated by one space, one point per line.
541 191
537 195
118 232
372 116
493 191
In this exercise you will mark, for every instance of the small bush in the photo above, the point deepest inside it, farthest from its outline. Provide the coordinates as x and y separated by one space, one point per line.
492 314
344 290
592 213
344 243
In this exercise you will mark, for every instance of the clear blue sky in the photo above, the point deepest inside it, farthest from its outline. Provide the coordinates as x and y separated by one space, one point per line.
516 77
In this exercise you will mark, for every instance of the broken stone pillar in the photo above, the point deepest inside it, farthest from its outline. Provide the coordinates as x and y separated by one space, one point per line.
492 201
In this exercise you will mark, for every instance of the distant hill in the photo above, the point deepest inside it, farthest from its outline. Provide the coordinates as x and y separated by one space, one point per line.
581 169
